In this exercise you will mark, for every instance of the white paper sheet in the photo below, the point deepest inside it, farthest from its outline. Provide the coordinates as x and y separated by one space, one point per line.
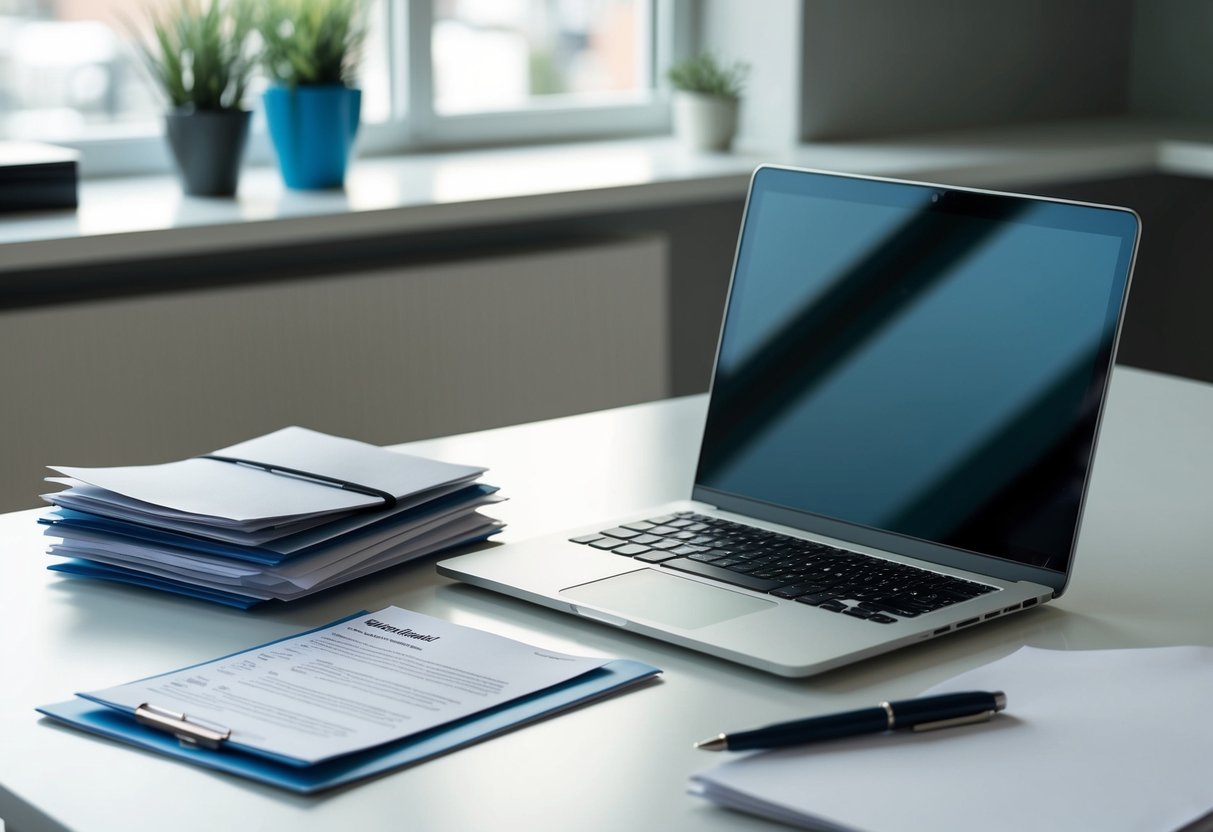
1104 740
354 685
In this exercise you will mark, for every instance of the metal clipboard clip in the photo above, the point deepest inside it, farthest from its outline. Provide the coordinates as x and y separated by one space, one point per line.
189 731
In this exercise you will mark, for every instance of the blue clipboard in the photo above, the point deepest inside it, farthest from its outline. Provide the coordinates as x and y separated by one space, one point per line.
121 725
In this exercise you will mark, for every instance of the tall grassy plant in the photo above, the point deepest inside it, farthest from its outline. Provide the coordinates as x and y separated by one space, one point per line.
312 42
706 74
199 52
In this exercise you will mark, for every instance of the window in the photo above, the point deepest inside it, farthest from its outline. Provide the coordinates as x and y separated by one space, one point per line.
66 71
434 73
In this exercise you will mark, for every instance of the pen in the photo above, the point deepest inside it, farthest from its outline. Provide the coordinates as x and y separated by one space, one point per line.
923 714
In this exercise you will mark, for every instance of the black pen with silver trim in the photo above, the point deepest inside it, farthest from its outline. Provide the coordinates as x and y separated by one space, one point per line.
925 714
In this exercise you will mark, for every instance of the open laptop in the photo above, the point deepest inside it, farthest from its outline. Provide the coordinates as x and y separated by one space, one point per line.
899 436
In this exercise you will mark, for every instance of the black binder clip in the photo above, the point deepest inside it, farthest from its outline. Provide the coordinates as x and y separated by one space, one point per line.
389 499
189 731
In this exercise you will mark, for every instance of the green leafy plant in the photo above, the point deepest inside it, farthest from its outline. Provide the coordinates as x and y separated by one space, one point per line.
199 52
312 41
706 74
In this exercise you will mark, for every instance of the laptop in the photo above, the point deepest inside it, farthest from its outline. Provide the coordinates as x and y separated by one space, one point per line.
899 436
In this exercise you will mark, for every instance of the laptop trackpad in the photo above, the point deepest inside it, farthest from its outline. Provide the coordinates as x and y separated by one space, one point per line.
665 599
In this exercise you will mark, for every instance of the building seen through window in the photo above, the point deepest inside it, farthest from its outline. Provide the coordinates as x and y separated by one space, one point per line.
529 51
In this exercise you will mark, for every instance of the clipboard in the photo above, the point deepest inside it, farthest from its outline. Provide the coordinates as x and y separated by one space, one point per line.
181 737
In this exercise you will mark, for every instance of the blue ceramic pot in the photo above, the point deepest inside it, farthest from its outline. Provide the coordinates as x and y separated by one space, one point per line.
313 130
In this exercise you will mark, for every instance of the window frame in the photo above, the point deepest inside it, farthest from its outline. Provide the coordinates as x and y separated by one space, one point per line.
562 118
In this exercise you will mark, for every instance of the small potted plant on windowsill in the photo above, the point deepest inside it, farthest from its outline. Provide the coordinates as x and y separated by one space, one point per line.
707 96
311 50
199 55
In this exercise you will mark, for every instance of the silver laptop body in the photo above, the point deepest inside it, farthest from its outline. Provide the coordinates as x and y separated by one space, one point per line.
904 408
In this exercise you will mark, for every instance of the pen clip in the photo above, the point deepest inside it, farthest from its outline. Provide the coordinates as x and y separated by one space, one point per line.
952 722
190 732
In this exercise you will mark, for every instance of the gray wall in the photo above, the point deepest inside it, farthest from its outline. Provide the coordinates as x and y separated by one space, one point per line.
883 67
383 339
888 67
1172 68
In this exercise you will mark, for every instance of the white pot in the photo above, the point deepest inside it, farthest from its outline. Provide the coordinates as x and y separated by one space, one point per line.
704 122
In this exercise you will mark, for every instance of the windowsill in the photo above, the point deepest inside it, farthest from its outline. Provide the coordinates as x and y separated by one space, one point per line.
148 216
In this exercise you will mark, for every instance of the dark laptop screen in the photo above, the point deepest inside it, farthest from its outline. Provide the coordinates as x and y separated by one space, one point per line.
925 362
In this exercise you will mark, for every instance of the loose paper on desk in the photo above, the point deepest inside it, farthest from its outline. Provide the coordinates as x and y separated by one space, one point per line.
1103 740
358 684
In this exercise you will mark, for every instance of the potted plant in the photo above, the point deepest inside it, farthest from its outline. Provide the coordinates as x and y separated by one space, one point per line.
199 56
311 50
707 94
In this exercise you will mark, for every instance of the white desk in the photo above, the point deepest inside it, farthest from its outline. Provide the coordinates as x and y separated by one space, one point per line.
1143 578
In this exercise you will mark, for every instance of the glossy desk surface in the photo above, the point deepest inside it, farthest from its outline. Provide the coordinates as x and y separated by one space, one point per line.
1142 578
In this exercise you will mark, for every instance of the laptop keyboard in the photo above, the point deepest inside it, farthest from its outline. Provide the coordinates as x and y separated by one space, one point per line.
808 572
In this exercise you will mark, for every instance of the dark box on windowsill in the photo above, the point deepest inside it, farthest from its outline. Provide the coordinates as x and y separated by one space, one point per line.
34 176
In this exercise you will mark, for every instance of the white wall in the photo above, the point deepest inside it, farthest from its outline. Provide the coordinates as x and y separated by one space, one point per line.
766 35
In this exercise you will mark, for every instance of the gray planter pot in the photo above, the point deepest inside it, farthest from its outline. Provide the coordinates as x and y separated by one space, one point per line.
209 148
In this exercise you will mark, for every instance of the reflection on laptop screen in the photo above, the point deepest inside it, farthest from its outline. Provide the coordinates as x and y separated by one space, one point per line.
921 362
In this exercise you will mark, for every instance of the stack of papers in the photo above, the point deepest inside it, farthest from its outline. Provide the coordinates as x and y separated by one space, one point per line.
278 517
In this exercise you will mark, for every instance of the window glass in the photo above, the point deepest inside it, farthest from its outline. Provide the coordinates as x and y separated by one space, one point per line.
374 73
66 69
69 70
493 55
